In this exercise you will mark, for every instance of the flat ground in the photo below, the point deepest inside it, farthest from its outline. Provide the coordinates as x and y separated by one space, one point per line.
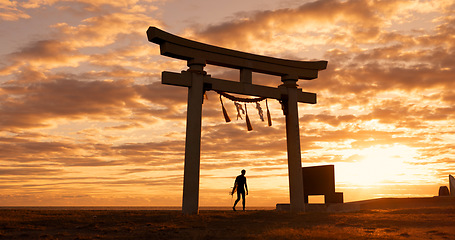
421 223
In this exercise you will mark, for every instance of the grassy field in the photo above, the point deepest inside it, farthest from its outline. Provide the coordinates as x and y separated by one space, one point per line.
421 223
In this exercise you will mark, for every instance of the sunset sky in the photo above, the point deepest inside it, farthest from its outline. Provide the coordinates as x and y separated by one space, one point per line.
85 120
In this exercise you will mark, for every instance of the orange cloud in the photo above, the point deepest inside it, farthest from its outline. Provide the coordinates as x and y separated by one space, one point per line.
34 105
360 21
105 30
10 11
48 54
92 5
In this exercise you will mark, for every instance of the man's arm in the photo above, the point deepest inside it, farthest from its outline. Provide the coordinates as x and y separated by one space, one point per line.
246 187
235 186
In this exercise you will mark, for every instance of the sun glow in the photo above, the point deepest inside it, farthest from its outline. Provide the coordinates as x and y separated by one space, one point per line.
377 165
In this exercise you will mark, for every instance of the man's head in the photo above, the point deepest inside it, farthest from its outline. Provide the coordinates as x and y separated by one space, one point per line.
243 172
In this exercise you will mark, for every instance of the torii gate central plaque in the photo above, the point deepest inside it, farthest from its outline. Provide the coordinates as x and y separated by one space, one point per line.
196 79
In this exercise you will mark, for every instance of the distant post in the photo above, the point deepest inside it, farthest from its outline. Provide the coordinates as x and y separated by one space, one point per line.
452 185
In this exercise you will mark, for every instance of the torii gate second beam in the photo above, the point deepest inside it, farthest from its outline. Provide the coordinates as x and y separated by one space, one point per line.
196 79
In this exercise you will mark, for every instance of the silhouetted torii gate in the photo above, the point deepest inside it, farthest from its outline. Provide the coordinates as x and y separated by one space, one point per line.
196 79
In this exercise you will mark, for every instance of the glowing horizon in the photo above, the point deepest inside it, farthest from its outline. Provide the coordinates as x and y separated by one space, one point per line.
85 120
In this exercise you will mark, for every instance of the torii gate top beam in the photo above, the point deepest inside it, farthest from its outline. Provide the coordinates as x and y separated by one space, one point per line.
184 49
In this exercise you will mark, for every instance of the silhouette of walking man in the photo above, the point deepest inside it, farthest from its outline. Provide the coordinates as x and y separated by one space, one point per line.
240 186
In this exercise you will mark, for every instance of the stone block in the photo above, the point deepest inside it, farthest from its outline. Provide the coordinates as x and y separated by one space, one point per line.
443 191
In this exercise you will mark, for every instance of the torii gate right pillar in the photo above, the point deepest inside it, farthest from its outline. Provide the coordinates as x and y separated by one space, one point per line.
290 108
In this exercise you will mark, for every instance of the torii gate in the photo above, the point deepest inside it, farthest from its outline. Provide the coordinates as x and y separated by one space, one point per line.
196 79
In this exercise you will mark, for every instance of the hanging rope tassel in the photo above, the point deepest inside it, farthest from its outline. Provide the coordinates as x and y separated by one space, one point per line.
269 118
260 112
241 111
248 123
239 108
225 114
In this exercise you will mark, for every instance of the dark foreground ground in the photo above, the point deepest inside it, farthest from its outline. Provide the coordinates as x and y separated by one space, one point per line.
421 223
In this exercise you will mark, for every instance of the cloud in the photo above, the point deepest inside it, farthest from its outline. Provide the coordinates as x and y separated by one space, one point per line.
48 54
84 42
11 12
168 102
28 171
387 60
105 29
361 21
125 126
33 105
93 5
367 73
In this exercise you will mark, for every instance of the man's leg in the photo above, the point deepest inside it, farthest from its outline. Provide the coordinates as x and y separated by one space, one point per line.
236 201
243 202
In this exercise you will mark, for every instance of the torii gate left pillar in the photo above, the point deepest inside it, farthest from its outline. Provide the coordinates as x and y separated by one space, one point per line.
190 203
